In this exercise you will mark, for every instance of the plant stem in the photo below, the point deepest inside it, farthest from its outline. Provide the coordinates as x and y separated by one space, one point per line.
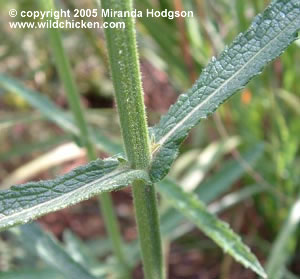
66 76
129 95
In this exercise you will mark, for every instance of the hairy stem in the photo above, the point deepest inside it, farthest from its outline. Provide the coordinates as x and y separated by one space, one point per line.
129 95
65 74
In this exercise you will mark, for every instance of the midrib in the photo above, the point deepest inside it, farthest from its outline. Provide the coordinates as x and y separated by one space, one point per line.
62 197
186 118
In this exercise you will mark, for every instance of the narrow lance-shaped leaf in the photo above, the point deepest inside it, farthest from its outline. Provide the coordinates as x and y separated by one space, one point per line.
22 203
47 273
284 244
269 34
195 210
212 188
41 102
39 242
53 113
79 252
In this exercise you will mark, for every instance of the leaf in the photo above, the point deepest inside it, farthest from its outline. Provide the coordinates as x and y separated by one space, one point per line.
209 190
290 275
292 100
31 274
205 161
82 254
268 36
41 102
230 172
28 148
236 197
26 202
284 245
79 252
219 231
14 118
59 155
171 226
38 242
55 114
172 222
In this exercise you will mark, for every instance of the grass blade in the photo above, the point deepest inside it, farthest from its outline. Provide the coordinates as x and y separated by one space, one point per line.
229 173
37 241
8 120
205 161
268 36
81 253
292 100
32 274
47 108
64 69
28 148
23 203
283 247
235 198
40 102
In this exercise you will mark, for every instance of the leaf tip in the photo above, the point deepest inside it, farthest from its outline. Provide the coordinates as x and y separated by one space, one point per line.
264 275
260 271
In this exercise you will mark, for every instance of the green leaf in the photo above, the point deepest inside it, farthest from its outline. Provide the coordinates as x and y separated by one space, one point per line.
236 197
193 209
8 120
52 112
172 222
284 245
205 161
209 190
31 274
268 36
38 242
230 172
290 275
292 100
79 252
23 203
82 254
28 148
41 102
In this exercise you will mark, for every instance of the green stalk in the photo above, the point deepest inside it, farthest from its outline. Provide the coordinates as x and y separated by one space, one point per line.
129 95
66 76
